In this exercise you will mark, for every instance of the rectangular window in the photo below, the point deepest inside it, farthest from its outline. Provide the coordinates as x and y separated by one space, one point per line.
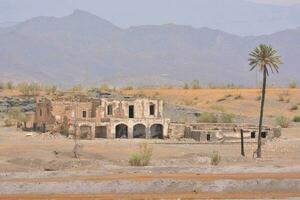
208 137
131 112
84 114
41 112
152 109
253 134
109 110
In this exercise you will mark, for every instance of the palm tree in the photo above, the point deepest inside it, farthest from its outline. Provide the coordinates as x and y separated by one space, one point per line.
266 59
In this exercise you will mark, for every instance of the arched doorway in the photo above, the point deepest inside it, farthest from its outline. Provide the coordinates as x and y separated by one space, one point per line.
139 131
85 132
122 131
157 131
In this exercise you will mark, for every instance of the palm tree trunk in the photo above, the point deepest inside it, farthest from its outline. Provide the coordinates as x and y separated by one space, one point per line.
261 112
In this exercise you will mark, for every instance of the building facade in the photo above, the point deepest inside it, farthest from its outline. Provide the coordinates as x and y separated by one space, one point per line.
103 118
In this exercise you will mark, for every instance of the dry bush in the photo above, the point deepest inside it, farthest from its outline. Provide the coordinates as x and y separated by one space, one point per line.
9 122
292 84
50 89
280 97
226 118
10 85
258 98
143 157
239 96
282 121
293 108
215 158
296 118
128 88
186 86
29 89
14 116
218 108
195 84
207 118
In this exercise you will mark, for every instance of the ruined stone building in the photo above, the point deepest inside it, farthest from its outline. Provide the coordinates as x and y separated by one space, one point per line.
122 117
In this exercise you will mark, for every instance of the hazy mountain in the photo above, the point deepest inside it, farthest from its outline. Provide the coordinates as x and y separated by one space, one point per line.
233 16
83 48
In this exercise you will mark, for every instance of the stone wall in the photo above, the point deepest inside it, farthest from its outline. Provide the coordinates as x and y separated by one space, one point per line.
214 132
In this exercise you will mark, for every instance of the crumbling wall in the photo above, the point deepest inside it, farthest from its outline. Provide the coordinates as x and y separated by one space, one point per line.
217 132
177 131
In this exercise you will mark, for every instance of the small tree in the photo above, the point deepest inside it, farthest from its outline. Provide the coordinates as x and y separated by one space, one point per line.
195 84
292 84
10 85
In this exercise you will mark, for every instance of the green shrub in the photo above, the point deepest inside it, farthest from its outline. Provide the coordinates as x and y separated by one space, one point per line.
215 158
296 118
282 121
292 84
143 157
195 84
226 118
186 86
135 159
10 85
207 118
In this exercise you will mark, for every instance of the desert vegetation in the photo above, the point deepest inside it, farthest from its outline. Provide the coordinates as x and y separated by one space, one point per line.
215 158
14 116
282 121
143 157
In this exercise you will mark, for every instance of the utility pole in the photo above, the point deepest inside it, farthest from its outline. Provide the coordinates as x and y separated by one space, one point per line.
242 143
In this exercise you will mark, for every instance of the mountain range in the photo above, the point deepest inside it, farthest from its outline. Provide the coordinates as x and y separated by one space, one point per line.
83 48
240 17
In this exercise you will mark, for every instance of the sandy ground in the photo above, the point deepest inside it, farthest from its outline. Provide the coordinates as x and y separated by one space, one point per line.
43 167
237 101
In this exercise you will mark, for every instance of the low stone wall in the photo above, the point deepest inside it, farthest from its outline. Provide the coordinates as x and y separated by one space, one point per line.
214 132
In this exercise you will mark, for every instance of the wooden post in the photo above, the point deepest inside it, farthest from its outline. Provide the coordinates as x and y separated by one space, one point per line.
242 143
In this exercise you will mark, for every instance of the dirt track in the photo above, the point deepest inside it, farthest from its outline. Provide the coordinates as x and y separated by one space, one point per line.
174 186
249 195
177 176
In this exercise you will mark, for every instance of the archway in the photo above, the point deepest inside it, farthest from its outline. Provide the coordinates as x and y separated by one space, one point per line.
139 131
157 131
122 131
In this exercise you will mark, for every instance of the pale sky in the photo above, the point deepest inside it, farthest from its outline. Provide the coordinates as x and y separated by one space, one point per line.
280 2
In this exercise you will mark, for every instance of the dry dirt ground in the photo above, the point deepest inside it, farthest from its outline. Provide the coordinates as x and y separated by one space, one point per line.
43 167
